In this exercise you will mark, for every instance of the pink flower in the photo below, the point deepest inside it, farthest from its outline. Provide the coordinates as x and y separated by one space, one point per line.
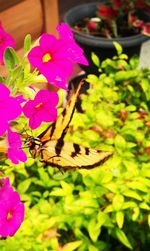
73 51
4 187
5 41
11 213
54 58
41 109
10 108
15 153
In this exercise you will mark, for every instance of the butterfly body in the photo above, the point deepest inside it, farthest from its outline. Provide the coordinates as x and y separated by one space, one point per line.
55 151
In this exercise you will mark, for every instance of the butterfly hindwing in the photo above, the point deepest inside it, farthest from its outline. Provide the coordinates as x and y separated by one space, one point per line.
72 156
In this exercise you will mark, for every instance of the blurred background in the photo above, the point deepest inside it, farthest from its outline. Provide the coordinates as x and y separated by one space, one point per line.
20 17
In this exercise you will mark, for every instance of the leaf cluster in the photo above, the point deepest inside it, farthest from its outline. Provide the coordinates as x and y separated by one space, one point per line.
106 208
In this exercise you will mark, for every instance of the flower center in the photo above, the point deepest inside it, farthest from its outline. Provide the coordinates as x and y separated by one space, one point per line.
9 215
39 105
46 58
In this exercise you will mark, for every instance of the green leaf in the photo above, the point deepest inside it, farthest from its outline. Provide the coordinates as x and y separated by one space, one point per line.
94 230
136 213
27 43
149 220
67 188
91 78
10 59
118 48
120 218
71 246
126 75
132 194
2 80
117 202
24 185
57 192
137 186
44 177
123 56
120 143
122 237
93 248
134 62
95 59
145 172
145 83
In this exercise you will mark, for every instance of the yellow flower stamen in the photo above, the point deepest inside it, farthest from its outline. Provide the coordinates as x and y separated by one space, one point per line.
39 105
46 58
9 215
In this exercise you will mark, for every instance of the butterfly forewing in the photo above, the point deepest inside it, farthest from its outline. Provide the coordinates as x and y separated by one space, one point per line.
56 152
59 128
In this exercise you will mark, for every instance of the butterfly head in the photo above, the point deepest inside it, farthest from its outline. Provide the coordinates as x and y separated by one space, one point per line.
33 144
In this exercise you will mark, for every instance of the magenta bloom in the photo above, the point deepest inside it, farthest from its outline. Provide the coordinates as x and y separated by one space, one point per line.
10 108
41 109
4 187
15 153
54 57
5 41
11 213
73 51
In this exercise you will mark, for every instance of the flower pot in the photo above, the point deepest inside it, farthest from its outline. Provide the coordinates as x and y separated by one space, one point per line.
103 47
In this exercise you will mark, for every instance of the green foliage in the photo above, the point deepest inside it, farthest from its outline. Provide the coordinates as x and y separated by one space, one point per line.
106 208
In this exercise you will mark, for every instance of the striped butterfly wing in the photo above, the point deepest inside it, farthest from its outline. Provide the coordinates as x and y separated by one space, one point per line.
64 155
72 156
58 129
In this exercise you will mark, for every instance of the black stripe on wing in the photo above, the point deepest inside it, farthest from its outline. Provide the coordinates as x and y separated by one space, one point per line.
70 167
76 150
59 128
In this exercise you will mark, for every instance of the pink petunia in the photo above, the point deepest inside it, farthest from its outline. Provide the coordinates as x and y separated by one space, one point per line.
14 152
73 51
10 108
5 41
11 213
41 109
54 57
4 187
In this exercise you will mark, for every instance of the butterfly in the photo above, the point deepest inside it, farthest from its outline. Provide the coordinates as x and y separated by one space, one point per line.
56 152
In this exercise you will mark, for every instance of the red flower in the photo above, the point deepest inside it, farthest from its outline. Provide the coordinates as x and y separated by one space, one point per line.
117 4
138 23
107 12
146 29
131 18
92 26
140 4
